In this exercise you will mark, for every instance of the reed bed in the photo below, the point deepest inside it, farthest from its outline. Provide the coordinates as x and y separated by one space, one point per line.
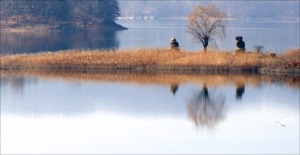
156 60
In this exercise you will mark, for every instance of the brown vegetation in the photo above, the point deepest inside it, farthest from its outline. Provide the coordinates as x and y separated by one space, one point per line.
157 61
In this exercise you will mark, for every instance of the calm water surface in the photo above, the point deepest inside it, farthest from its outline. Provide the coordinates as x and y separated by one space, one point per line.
275 36
137 114
46 113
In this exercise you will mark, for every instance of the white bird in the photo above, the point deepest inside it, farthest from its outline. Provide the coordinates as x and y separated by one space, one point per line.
282 122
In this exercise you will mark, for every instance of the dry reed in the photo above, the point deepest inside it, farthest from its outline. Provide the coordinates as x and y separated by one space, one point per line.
156 60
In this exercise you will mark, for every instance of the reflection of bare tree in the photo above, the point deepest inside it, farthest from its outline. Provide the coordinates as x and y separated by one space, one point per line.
206 109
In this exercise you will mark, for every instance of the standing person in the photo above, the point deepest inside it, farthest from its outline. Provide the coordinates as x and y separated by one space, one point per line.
174 44
240 44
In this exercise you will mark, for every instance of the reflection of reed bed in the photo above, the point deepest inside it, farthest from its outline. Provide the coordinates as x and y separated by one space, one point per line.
211 80
158 61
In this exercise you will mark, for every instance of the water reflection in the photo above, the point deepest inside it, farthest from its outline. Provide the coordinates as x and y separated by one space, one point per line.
93 112
36 41
17 84
240 89
174 88
207 109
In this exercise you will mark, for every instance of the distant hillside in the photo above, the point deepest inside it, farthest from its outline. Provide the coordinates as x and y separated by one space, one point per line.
59 14
241 10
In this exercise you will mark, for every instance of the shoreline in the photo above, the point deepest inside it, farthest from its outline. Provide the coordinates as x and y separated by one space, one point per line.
60 26
157 61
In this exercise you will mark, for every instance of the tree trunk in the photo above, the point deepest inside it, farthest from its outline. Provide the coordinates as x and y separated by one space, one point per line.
205 48
205 43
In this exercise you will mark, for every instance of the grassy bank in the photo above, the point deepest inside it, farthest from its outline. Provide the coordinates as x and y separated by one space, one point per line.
158 61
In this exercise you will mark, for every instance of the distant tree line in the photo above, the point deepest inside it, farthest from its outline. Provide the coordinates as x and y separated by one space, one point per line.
59 10
248 9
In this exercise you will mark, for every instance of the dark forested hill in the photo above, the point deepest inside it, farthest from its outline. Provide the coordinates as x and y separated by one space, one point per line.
59 14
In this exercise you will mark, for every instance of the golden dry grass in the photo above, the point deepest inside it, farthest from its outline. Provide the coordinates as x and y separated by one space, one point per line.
155 60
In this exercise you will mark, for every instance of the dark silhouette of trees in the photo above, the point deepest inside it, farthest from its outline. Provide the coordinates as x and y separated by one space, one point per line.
207 22
109 9
61 10
5 10
68 11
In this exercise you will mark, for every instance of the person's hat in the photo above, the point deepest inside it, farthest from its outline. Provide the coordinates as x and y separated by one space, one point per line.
238 38
173 39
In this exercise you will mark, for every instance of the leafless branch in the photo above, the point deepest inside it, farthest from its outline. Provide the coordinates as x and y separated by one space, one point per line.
206 23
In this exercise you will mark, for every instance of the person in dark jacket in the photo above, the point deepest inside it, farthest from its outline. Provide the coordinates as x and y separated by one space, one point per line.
174 44
240 44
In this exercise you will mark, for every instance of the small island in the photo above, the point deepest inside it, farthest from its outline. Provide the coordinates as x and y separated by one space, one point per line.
204 24
157 61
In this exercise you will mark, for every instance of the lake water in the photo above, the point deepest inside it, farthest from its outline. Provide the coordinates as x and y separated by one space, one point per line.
45 112
275 36
86 113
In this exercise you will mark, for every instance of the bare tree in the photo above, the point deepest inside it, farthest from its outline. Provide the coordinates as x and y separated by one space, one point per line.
207 22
